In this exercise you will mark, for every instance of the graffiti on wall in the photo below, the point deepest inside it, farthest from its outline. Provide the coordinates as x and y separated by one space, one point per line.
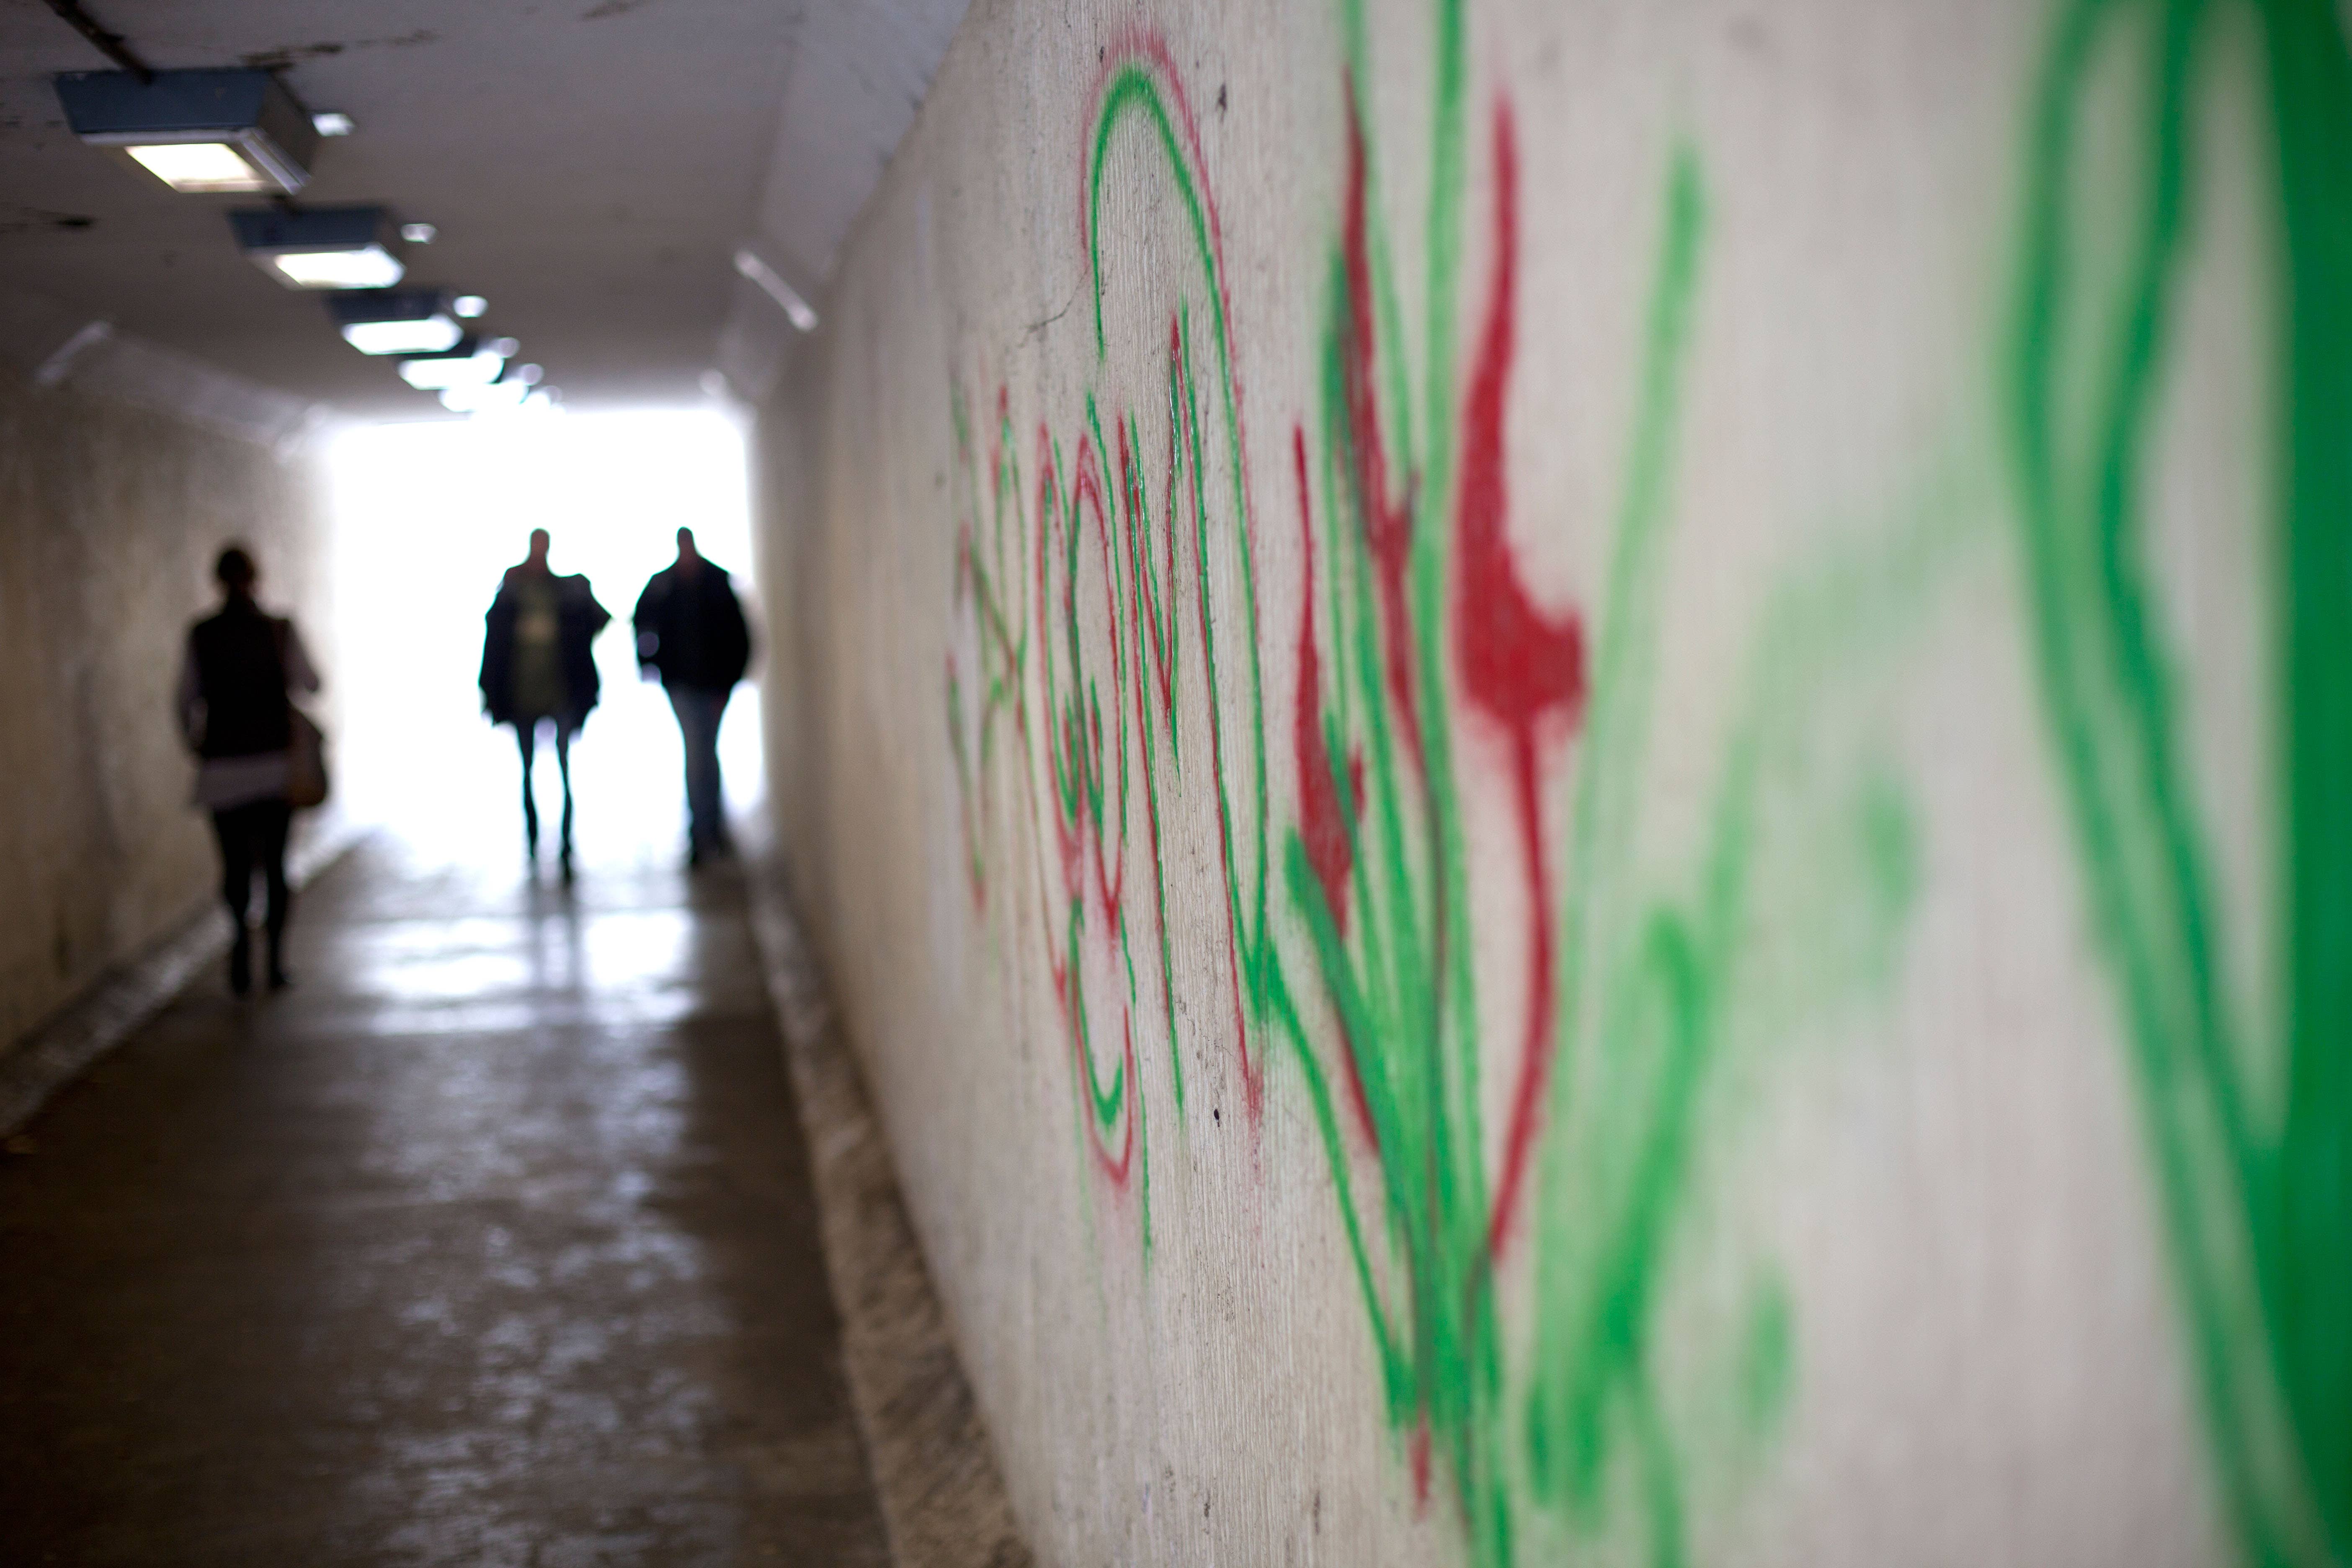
1123 739
2257 1202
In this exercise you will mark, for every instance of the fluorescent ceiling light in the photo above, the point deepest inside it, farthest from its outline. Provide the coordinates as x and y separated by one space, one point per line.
396 321
197 130
418 233
438 373
201 166
320 248
332 125
371 267
469 305
496 397
422 335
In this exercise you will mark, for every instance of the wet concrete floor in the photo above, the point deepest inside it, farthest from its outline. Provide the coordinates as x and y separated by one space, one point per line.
492 1243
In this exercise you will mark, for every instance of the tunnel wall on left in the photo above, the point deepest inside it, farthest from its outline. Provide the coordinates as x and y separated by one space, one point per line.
110 516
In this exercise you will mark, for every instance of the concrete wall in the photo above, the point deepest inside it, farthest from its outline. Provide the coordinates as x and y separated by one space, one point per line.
109 517
1578 771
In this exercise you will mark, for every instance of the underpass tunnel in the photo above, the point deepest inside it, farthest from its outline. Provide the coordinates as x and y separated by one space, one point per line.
1438 783
493 1235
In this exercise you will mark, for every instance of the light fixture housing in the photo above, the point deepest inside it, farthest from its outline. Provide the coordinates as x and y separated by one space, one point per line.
397 320
471 363
197 130
321 248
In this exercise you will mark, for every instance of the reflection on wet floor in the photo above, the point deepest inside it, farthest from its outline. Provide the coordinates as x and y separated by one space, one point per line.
491 1244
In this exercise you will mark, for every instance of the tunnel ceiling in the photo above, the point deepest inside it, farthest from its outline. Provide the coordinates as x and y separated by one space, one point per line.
590 167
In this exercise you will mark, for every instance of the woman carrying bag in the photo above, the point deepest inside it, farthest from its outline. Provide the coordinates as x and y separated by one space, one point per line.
259 756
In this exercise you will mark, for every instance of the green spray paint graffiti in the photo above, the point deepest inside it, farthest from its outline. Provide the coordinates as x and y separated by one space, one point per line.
2260 1215
1110 635
1072 590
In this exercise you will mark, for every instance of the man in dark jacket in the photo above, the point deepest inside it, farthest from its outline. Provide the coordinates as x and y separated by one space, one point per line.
691 629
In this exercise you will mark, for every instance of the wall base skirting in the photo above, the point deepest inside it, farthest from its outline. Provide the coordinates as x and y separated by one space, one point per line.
112 1009
942 1498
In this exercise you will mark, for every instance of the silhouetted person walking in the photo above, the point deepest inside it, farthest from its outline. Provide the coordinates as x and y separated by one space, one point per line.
537 669
235 713
690 628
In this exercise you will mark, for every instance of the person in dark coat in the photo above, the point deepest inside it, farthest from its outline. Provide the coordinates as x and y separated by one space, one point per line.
238 717
538 668
690 630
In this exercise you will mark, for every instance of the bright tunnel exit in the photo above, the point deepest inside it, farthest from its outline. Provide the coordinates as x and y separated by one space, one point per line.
426 518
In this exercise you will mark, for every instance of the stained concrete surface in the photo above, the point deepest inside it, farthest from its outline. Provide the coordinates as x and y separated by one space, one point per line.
935 1471
110 518
491 1244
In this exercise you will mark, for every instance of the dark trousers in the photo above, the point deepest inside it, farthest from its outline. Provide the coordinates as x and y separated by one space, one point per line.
253 839
698 711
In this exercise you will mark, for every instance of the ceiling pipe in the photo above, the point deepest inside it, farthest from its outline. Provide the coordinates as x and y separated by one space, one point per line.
110 45
771 283
60 362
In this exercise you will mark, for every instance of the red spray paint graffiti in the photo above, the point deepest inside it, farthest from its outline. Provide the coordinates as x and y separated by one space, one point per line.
1521 668
1369 848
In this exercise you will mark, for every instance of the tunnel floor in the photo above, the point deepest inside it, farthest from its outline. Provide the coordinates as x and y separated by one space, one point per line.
490 1243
